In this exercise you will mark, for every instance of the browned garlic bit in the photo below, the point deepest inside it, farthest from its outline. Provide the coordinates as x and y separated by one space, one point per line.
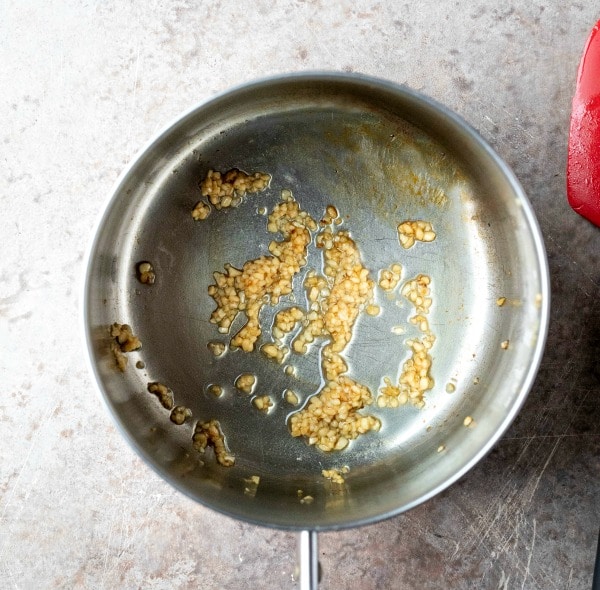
373 310
390 395
417 292
409 231
285 321
124 341
163 393
209 434
331 419
201 211
504 344
245 383
251 487
227 190
125 338
275 352
290 397
332 364
337 298
215 389
316 287
390 277
120 359
421 322
145 273
415 378
217 348
335 475
262 403
180 414
331 214
500 301
351 287
266 278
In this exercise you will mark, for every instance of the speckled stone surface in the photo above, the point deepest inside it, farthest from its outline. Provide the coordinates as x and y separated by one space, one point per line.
84 85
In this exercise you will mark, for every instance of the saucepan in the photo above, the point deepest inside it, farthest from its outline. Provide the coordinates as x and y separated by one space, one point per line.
377 180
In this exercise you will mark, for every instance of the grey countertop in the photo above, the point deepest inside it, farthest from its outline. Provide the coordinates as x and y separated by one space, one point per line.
83 86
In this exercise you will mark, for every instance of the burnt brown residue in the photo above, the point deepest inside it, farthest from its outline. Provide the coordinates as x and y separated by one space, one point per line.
210 434
163 393
394 164
180 414
124 341
145 272
420 188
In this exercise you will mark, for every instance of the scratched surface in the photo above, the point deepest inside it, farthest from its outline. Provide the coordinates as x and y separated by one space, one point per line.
84 85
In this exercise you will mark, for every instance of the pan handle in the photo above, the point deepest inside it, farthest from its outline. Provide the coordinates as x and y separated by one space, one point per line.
308 560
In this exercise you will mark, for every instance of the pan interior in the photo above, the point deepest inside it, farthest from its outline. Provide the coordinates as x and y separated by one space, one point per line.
381 155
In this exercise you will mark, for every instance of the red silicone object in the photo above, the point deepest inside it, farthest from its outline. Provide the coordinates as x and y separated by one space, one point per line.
583 162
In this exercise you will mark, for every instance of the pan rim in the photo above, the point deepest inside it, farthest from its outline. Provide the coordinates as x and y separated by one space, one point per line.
360 80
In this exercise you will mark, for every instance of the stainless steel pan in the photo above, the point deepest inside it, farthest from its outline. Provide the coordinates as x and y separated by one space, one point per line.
381 153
